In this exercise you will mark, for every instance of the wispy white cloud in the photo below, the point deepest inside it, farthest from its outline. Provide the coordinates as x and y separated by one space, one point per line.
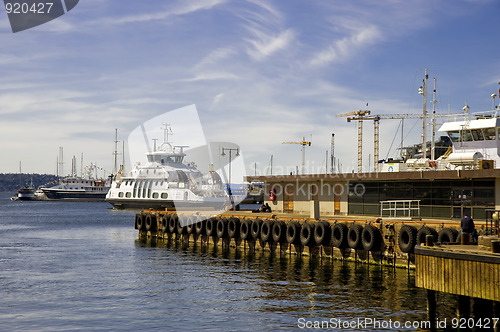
267 33
265 44
181 8
357 37
211 76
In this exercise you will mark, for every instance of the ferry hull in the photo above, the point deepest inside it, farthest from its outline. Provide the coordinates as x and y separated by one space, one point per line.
74 195
139 204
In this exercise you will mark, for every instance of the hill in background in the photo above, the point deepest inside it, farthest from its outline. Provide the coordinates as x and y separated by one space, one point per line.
14 181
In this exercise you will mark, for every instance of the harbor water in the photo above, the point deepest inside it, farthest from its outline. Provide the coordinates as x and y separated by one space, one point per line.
75 266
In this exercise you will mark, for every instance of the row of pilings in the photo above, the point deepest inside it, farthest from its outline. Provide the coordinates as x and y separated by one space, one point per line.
378 242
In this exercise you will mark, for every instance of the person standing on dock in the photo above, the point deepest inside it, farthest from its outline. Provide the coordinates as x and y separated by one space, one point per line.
467 225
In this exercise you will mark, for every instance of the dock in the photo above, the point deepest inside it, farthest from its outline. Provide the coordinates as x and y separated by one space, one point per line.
470 272
357 238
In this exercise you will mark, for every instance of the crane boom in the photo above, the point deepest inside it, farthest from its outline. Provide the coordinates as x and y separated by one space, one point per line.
303 143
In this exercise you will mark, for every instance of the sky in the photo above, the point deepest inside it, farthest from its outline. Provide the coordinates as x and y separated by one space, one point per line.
259 72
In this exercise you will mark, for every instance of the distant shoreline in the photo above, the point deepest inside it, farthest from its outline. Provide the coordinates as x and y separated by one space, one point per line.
11 182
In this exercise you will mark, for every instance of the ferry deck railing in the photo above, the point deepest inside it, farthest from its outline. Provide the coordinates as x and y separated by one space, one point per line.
400 209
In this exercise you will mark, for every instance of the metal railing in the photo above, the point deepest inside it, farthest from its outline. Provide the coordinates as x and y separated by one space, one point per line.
492 224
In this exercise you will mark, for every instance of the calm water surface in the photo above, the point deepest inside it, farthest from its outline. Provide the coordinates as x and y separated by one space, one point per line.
80 266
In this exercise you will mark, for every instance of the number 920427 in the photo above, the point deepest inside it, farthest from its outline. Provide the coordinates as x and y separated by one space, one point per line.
26 8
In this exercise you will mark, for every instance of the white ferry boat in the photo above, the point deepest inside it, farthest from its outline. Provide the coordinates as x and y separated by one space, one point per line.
77 188
166 181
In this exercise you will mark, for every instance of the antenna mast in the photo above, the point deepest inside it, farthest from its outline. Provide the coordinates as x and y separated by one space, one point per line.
332 154
433 141
423 91
115 153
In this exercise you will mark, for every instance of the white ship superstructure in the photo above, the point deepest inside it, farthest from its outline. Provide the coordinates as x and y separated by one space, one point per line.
166 181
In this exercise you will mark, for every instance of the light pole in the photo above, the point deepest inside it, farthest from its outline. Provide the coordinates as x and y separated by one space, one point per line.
230 150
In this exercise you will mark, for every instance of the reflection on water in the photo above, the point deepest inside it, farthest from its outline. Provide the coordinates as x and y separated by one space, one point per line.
294 287
79 267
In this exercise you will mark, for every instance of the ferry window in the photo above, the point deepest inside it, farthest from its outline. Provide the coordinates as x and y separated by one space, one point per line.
120 194
164 195
454 136
128 195
466 136
477 134
155 195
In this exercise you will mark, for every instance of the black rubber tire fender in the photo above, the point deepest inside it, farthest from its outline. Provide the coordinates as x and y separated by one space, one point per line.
233 228
246 230
222 227
266 231
164 223
447 235
211 226
191 222
150 222
322 233
293 232
371 238
256 226
179 228
424 231
407 238
139 222
199 227
172 223
339 235
354 236
307 234
279 231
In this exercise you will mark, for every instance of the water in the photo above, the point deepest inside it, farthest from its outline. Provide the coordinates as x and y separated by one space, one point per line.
80 266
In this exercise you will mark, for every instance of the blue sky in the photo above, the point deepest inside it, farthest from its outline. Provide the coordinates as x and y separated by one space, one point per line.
259 72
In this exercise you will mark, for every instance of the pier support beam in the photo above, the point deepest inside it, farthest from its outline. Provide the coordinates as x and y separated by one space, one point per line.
431 307
496 313
463 307
482 308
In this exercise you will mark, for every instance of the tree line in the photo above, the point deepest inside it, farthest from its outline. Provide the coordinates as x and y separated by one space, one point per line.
14 181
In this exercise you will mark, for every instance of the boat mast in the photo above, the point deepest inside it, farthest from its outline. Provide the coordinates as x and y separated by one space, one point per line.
115 153
423 91
433 141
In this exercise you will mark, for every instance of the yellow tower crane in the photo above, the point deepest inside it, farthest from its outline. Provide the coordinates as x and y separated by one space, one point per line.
303 143
360 116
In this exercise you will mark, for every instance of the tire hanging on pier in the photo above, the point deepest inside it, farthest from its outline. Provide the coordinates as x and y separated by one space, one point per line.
164 223
199 227
424 231
354 236
256 226
407 238
172 223
447 235
279 231
307 234
211 226
246 230
266 231
150 222
191 222
222 228
371 238
293 232
339 235
233 228
322 233
139 222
